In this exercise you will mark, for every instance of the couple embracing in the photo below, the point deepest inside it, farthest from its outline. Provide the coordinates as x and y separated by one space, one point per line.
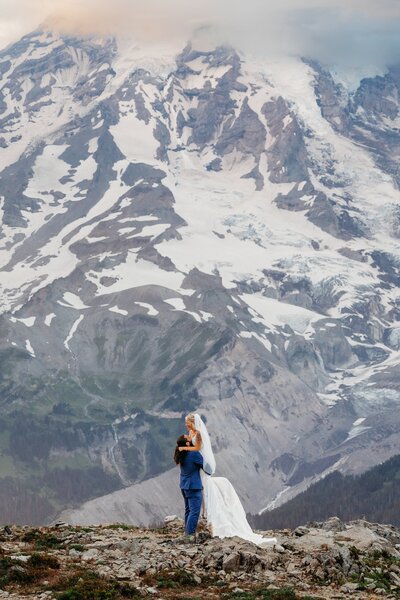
221 505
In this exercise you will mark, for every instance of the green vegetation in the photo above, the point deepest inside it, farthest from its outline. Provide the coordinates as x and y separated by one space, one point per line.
43 561
8 359
100 341
36 569
174 579
160 442
377 566
284 593
42 540
169 579
373 495
74 460
77 547
115 394
19 504
122 526
55 393
86 585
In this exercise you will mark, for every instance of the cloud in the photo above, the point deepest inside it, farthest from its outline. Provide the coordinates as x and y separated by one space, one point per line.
349 32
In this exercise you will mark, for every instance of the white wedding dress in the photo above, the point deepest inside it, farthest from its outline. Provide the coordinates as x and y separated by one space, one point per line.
224 511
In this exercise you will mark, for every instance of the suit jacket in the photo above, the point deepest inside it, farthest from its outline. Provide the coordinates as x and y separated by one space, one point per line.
190 471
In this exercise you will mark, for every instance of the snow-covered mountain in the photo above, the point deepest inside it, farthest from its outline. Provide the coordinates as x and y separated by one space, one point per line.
191 229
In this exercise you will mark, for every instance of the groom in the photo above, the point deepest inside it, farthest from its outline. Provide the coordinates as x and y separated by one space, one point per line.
190 483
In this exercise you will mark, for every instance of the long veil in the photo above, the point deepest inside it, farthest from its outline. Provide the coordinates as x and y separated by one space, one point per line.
224 510
206 450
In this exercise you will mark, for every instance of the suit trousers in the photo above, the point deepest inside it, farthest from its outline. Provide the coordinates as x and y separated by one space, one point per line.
193 501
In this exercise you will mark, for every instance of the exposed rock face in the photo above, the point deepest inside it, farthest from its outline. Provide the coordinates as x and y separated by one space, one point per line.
288 158
191 232
370 116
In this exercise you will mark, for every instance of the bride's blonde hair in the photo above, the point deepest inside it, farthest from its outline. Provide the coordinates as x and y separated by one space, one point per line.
190 417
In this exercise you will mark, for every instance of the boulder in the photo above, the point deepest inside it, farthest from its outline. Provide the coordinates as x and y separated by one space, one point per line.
334 524
231 562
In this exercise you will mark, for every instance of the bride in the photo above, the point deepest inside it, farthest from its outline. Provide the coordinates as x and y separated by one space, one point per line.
224 511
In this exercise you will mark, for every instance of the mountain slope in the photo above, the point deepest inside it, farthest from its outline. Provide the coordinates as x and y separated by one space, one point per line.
372 495
198 231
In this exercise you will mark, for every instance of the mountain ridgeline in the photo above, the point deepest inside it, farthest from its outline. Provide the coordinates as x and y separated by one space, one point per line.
191 229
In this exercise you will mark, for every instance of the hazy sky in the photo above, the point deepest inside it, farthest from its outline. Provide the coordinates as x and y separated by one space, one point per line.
352 32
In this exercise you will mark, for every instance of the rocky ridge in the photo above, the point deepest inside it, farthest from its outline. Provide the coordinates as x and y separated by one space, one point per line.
330 560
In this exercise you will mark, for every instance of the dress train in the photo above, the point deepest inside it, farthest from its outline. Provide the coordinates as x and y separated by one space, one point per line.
225 513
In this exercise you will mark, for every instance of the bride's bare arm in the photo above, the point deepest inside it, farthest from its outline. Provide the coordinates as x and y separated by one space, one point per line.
197 444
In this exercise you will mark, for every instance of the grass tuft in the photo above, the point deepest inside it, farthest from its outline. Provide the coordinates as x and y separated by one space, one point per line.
86 585
37 568
41 540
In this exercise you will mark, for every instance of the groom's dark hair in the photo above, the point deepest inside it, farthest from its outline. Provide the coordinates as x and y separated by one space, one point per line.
178 454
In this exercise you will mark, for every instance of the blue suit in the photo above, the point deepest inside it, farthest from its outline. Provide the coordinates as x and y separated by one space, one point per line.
191 488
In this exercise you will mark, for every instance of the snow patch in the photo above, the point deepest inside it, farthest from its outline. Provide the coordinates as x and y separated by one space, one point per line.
356 430
177 303
142 218
150 230
72 332
134 137
120 311
72 300
135 273
274 313
27 321
206 315
28 346
151 311
48 319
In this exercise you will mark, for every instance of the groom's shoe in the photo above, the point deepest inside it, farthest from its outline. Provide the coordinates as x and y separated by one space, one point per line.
191 539
186 539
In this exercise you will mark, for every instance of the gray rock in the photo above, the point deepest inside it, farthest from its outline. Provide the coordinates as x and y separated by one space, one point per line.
334 524
90 554
349 587
301 530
